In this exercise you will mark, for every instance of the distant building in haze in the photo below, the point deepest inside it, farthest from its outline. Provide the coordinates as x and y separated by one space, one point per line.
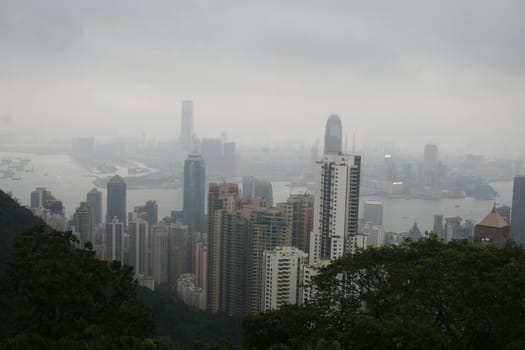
333 138
212 151
430 165
94 200
493 229
83 147
148 212
186 127
254 188
439 226
116 200
373 212
518 210
229 160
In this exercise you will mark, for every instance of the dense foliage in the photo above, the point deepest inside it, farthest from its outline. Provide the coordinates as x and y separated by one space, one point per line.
423 294
189 327
14 220
55 293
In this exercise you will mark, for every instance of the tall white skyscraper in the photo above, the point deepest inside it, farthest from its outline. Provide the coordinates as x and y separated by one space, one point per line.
335 229
186 126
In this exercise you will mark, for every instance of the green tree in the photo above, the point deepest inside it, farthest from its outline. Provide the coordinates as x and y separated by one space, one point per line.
423 294
53 290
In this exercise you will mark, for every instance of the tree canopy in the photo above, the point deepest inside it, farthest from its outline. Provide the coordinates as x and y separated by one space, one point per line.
54 292
423 294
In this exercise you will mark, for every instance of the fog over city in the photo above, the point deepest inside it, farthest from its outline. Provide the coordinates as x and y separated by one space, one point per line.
267 72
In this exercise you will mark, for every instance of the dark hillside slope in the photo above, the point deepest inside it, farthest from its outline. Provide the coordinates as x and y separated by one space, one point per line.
14 219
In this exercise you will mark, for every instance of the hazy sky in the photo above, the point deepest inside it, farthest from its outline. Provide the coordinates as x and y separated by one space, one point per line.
269 72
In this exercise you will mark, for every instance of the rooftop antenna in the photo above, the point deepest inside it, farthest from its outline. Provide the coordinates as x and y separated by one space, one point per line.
353 145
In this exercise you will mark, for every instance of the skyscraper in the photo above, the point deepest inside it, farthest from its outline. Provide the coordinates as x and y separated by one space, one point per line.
179 251
282 277
83 223
268 228
138 245
186 126
300 208
160 253
335 230
94 200
116 200
194 193
114 241
221 197
333 137
518 210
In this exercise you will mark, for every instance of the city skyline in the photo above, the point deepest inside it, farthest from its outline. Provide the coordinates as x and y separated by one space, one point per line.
411 73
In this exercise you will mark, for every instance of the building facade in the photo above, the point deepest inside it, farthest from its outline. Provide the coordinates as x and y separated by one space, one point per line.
283 269
94 200
116 200
518 210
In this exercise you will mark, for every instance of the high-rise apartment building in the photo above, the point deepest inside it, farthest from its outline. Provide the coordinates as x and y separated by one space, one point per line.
94 200
201 263
179 251
116 200
160 253
282 277
114 240
83 223
138 229
221 198
300 211
268 228
518 210
186 127
335 230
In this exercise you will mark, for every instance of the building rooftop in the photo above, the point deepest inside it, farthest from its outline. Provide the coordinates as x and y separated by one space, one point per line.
494 220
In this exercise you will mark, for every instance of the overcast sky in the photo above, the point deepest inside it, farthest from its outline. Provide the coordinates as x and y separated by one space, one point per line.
451 72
